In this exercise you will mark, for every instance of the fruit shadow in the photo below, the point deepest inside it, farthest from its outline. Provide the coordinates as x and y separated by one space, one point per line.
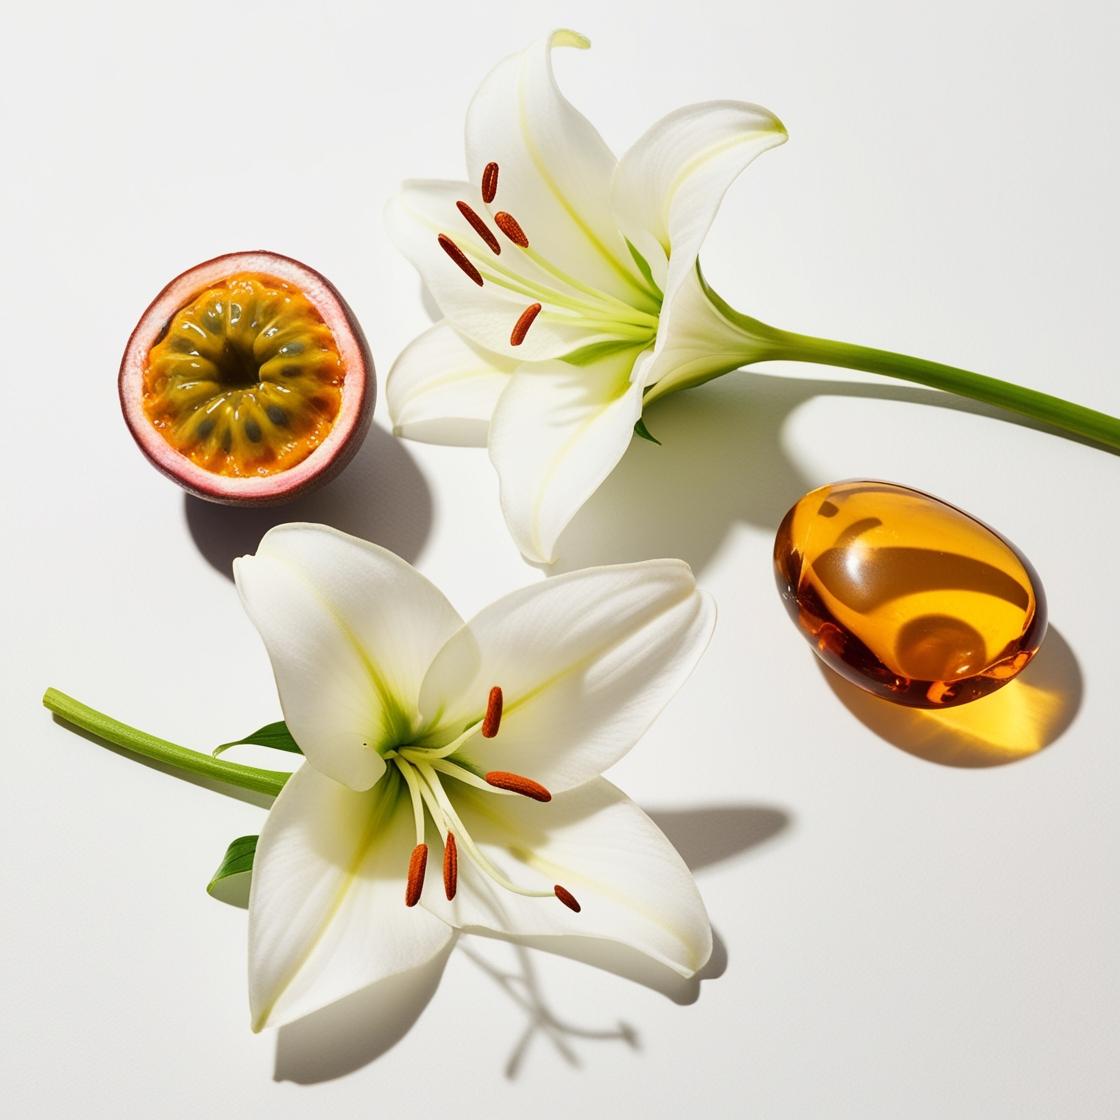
1022 718
380 496
357 1030
722 461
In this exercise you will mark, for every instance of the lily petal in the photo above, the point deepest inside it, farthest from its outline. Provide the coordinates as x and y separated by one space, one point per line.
585 662
554 168
630 882
701 341
668 186
326 908
443 389
422 211
351 630
557 432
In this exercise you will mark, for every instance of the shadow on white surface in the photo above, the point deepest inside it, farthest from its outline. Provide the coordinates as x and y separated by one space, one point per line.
722 461
1021 719
713 833
357 1030
380 496
523 987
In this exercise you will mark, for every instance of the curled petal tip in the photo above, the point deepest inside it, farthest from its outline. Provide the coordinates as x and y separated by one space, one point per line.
565 37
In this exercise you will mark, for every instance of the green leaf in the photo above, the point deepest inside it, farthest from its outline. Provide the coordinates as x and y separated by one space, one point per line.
230 883
640 429
275 735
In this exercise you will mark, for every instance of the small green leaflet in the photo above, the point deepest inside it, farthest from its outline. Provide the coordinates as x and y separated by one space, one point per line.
640 429
230 883
274 735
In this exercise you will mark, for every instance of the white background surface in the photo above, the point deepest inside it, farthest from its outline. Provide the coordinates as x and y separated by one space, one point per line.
903 937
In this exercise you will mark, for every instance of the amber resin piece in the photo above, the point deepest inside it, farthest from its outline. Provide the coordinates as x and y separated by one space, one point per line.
907 596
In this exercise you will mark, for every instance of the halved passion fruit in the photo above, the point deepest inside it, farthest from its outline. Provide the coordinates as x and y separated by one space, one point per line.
248 380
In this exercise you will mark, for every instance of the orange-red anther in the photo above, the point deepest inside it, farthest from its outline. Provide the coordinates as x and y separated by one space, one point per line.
489 182
480 227
518 783
493 718
524 322
417 865
450 866
459 257
567 898
511 227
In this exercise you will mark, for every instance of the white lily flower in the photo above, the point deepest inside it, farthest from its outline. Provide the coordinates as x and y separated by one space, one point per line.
484 740
569 284
573 296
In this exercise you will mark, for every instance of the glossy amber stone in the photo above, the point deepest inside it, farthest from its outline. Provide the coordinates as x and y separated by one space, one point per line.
907 596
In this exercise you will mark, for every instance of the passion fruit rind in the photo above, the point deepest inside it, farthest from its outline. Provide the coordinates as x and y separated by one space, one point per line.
248 380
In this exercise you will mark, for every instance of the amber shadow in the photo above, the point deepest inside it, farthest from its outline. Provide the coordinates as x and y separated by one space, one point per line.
722 461
381 496
357 1030
1022 718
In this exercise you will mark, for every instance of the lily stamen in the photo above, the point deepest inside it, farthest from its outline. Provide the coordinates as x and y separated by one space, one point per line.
493 718
480 227
460 258
450 866
417 865
489 182
511 227
415 792
433 791
567 898
423 751
524 322
621 319
454 770
518 783
504 780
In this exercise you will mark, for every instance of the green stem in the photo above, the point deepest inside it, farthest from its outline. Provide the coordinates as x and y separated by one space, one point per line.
148 746
1053 411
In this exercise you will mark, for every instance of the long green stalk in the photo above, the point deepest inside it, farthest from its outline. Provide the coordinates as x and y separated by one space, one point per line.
160 750
1063 415
764 343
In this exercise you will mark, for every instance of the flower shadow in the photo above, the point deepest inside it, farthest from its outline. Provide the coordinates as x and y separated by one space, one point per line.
522 985
357 1030
1021 719
349 1034
722 461
381 496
